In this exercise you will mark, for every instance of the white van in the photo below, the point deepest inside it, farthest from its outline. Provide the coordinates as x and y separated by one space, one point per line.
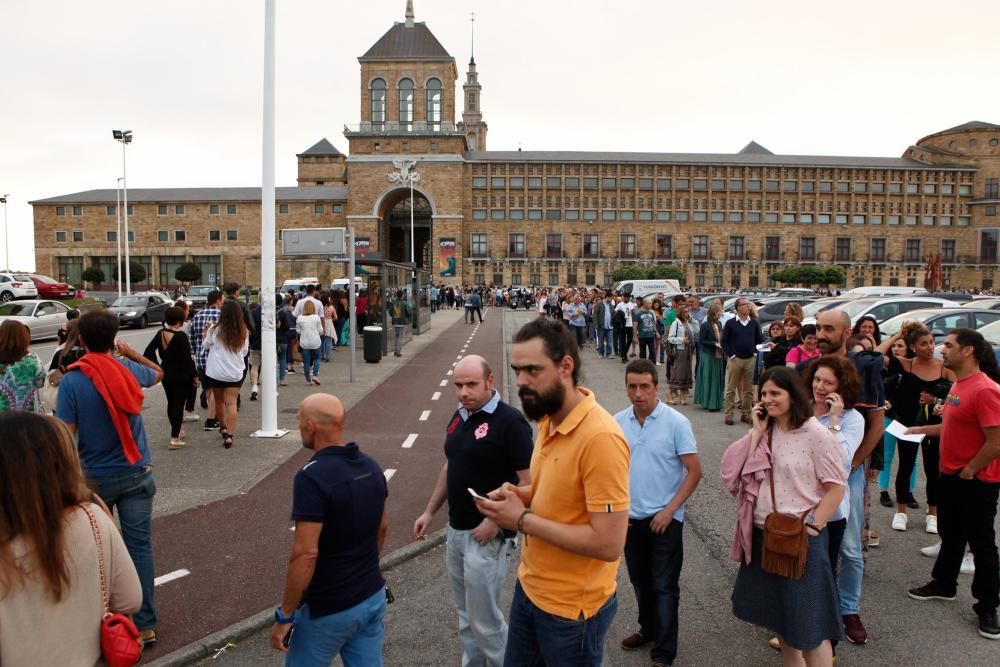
862 292
666 285
299 284
341 284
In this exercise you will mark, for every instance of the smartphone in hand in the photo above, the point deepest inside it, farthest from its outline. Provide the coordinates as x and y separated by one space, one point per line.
476 495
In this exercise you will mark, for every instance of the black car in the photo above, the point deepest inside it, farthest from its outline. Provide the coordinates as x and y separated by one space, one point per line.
139 310
197 297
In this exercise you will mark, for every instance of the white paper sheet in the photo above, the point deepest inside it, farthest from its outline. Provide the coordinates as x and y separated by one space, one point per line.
899 431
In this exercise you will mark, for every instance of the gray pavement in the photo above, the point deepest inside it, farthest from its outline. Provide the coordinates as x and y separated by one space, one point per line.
421 625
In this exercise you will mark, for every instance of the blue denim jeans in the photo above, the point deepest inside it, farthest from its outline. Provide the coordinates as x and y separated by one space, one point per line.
852 564
604 342
326 347
654 567
355 634
282 366
130 496
477 575
310 362
538 638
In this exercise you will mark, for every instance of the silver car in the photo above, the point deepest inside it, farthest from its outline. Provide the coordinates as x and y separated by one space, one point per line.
43 318
940 321
882 308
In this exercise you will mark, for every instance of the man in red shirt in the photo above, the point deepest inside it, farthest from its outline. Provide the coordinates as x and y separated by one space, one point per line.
970 477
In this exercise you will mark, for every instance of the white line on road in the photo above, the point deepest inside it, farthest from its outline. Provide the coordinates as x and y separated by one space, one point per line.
454 363
425 415
410 439
444 383
436 395
170 576
389 472
449 373
459 357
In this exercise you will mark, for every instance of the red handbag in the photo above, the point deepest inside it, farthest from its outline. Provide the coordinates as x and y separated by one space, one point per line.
120 644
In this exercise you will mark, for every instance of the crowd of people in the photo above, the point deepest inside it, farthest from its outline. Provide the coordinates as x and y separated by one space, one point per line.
588 489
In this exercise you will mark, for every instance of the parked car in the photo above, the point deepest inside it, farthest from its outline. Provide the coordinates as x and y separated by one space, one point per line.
940 321
138 310
774 310
793 291
991 304
814 308
43 318
882 308
196 296
163 295
991 332
49 288
16 286
880 290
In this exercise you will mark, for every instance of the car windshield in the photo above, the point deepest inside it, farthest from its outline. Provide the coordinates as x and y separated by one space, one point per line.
22 309
814 308
200 291
129 301
855 308
44 279
23 279
991 332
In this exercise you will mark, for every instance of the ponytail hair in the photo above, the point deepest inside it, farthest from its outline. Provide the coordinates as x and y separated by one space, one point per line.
982 350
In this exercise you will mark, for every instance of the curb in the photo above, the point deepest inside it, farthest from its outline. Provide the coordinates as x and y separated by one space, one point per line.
208 645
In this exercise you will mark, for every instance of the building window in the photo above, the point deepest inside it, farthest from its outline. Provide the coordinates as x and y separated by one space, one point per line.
735 217
895 188
807 248
718 216
516 214
479 214
282 208
60 210
753 185
111 210
161 209
930 189
645 184
843 187
112 237
947 250
497 214
479 245
772 248
626 246
877 252
611 183
875 219
991 211
434 104
337 208
572 182
180 235
772 186
842 250
700 184
664 246
805 219
628 183
60 237
771 218
214 235
988 239
788 218
590 215
893 219
77 236
681 216
553 246
232 235
928 220
179 209
131 236
534 214
536 182
991 185
231 209
682 184
553 214
841 219
788 186
823 218
718 184
860 188
753 217
479 182
77 210
553 182
377 98
910 220
498 182
162 236
912 250
591 246
590 183
736 246
318 208
858 219
406 103
700 216
517 181
515 245
213 209
663 216
947 189
663 184
608 216
699 247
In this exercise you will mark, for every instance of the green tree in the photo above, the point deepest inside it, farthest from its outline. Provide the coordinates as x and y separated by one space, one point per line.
628 273
189 272
834 275
664 271
93 275
136 272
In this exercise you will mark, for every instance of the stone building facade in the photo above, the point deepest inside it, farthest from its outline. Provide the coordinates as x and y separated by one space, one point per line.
556 217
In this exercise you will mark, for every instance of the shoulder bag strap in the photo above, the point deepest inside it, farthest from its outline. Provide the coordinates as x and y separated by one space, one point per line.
100 558
770 473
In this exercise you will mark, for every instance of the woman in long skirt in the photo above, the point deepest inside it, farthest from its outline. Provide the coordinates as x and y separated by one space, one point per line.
710 379
681 335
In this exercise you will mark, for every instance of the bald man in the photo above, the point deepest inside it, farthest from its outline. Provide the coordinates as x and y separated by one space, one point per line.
487 443
334 592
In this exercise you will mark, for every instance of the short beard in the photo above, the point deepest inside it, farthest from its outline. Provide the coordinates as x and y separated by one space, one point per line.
542 404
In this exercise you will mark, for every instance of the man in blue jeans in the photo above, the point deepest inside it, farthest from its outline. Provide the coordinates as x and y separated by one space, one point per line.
664 472
334 593
100 399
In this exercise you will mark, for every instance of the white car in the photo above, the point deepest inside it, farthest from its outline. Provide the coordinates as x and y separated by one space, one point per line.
882 308
14 286
43 318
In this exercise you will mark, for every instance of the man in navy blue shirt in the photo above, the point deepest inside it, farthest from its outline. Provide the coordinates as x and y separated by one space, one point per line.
488 443
740 338
111 438
334 592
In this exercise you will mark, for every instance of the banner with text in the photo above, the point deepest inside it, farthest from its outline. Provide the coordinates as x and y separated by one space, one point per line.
447 260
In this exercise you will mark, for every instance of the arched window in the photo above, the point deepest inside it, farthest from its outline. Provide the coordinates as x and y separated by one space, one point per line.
434 104
378 102
406 104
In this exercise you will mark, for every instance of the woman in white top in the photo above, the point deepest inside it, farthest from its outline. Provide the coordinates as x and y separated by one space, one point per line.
51 602
227 342
310 328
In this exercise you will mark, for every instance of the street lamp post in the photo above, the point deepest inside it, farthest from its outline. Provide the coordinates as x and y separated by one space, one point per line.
6 234
125 137
118 232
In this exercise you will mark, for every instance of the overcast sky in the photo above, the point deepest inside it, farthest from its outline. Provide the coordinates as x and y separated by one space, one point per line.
849 78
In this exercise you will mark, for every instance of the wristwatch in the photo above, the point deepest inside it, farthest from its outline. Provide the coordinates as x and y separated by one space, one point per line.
281 619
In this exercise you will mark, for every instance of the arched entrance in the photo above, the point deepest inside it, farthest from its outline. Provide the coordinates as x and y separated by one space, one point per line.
395 228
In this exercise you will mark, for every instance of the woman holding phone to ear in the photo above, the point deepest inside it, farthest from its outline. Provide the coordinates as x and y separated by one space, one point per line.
807 464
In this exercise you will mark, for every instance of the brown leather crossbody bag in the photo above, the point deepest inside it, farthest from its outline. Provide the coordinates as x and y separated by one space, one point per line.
786 542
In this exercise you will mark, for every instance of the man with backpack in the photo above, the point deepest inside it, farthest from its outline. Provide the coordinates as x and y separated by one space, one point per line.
399 310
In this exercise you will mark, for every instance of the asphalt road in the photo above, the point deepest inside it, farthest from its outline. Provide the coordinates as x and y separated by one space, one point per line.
421 626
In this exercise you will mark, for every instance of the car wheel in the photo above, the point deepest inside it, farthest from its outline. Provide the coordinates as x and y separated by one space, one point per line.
7 296
143 322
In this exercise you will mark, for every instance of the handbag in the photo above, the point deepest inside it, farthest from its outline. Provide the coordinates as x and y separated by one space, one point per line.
786 543
120 644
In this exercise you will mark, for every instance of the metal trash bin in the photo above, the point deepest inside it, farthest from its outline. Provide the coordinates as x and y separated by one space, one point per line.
373 344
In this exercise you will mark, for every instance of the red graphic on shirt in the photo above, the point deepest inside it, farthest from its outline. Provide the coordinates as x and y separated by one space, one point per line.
454 424
482 431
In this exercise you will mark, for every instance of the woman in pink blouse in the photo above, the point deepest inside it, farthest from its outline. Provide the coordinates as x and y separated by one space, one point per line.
807 462
806 350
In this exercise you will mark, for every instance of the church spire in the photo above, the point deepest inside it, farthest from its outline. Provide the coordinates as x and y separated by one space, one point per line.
409 13
472 49
472 124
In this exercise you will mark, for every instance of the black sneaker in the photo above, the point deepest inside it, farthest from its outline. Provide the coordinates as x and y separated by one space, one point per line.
885 499
253 396
933 591
211 424
988 625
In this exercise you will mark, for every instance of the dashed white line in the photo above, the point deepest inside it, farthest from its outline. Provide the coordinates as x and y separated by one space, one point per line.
170 576
436 395
410 439
444 383
425 415
454 363
389 472
450 373
459 357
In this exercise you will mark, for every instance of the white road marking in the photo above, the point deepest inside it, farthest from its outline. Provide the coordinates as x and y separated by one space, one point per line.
454 363
170 576
449 373
425 415
389 472
410 439
436 395
444 383
459 357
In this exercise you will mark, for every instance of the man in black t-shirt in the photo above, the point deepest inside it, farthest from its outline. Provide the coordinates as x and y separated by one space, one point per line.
334 592
488 443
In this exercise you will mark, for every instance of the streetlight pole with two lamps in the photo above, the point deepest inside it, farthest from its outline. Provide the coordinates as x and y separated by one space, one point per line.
125 137
118 232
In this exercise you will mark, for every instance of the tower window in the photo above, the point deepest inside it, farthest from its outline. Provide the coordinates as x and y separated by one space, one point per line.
434 104
406 103
472 100
378 101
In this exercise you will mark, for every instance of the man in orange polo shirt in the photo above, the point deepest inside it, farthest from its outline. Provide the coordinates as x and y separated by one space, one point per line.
574 514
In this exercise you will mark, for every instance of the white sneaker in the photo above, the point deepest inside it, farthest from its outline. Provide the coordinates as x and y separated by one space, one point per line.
931 525
931 551
968 565
176 443
191 416
899 521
